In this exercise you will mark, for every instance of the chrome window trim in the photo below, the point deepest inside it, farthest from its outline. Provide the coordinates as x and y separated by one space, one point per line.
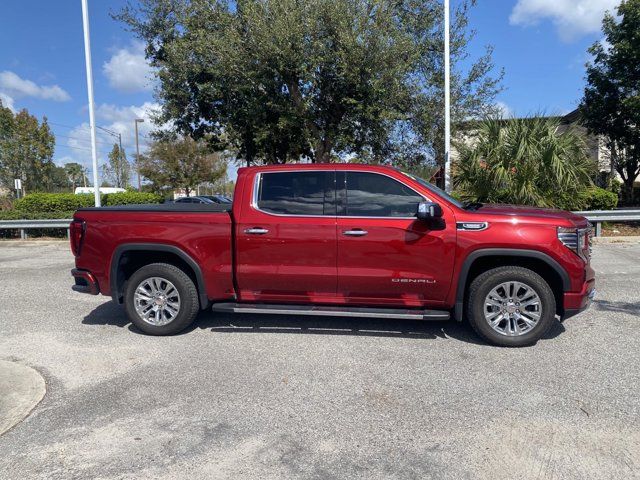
258 178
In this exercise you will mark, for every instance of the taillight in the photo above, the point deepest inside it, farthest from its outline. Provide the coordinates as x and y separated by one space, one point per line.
76 235
577 240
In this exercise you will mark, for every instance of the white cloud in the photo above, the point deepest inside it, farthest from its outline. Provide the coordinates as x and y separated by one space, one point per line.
503 109
128 71
118 119
7 101
572 18
15 87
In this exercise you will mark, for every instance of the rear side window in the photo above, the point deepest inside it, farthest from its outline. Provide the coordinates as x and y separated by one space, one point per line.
297 193
375 195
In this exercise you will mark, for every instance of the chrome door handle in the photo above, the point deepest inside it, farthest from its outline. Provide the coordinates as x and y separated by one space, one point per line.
355 233
256 231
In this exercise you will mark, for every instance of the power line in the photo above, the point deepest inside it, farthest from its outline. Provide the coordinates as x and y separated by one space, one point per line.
82 139
73 148
68 126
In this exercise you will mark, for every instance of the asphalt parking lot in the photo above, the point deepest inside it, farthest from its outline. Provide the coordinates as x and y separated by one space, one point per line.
277 397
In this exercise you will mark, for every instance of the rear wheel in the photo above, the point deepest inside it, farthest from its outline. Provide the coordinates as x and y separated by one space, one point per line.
161 299
511 306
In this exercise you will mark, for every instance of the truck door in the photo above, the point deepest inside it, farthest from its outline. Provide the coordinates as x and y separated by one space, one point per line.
286 238
385 255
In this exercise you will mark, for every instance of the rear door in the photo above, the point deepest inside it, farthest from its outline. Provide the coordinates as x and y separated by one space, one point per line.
286 238
386 256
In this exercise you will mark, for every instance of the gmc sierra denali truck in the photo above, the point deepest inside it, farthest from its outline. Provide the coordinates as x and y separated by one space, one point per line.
339 240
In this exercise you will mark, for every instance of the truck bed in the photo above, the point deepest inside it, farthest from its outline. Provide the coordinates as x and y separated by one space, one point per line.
201 232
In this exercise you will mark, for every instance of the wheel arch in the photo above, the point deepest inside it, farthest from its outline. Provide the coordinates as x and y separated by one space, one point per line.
482 260
129 257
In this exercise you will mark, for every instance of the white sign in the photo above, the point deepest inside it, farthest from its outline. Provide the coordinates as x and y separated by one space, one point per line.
18 184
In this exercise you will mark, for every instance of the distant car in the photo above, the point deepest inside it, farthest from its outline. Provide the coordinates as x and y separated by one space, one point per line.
194 200
217 198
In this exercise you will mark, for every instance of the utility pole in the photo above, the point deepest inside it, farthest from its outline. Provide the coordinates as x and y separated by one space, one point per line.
138 120
447 102
119 136
92 118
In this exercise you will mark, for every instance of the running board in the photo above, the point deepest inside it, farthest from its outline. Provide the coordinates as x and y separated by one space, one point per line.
329 311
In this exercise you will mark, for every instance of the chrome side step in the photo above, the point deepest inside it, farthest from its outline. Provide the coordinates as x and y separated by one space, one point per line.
331 311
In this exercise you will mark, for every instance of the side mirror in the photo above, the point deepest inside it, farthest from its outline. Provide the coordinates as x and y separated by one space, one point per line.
429 211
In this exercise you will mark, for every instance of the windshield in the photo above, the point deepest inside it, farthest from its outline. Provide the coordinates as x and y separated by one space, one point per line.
435 190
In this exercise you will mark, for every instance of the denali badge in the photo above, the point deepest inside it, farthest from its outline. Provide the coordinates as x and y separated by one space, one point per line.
413 280
472 226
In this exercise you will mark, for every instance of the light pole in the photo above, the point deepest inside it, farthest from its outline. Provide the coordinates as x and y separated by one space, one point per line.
447 102
138 120
92 119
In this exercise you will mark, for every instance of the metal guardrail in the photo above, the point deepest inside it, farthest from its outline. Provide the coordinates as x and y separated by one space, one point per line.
24 225
594 216
598 216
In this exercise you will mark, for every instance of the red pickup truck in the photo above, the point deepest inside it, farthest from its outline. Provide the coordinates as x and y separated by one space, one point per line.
339 240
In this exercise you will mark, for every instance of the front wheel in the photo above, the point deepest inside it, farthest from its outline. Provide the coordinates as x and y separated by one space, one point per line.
511 306
161 299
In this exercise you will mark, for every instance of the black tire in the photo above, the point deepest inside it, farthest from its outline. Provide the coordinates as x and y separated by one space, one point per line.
189 304
485 282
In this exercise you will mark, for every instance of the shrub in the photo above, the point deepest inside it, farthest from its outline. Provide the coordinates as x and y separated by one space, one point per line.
53 202
591 198
130 198
65 202
615 186
596 198
18 215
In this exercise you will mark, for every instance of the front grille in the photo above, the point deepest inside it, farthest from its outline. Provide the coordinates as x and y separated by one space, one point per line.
577 240
569 239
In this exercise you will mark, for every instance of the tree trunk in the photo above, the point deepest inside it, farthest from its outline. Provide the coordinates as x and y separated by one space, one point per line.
627 191
322 153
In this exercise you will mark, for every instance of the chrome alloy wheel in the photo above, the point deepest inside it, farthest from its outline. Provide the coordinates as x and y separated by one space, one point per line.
512 308
157 301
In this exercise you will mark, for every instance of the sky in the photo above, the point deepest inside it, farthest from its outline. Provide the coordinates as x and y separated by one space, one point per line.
540 44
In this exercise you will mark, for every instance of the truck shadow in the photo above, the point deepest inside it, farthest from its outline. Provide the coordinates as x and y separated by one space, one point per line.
632 308
310 325
111 314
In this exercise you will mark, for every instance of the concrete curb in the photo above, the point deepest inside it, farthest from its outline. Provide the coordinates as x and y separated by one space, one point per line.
21 389
620 239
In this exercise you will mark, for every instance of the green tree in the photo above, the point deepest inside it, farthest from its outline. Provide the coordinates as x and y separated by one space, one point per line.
279 80
182 163
76 174
523 161
26 150
59 179
118 171
611 102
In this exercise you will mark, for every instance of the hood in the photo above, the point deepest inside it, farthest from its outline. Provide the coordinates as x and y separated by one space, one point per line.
547 214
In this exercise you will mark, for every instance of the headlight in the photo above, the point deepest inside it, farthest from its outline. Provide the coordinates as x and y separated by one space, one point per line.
578 240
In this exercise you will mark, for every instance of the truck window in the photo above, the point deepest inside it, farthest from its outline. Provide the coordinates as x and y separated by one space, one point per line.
375 195
296 193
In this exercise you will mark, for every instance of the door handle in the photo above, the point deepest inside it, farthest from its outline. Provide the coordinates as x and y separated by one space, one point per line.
256 231
355 233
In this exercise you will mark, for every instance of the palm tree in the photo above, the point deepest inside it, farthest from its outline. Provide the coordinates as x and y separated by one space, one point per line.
76 174
527 161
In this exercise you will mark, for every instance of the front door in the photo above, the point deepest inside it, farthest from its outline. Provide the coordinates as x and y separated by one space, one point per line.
385 255
286 238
